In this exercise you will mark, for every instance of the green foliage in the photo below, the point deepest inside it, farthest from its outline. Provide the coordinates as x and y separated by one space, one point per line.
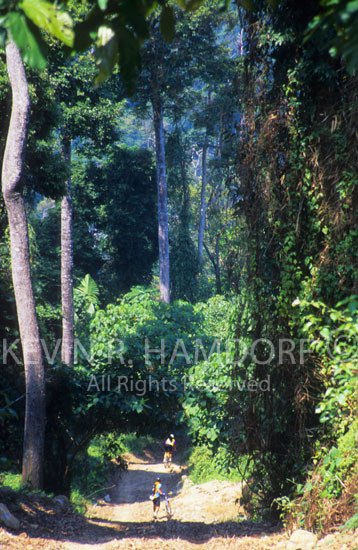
114 242
208 388
12 397
339 20
350 525
210 378
330 486
294 206
11 480
45 240
24 22
6 413
184 267
120 336
86 301
84 416
167 23
136 444
78 501
50 18
115 231
333 333
218 316
204 465
91 472
142 351
94 467
111 448
26 34
88 291
116 32
283 232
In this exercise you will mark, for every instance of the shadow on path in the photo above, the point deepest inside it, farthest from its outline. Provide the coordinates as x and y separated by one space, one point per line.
41 518
134 486
73 528
191 531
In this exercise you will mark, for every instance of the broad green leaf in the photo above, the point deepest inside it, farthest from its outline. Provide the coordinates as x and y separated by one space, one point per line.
88 288
51 19
106 52
308 487
325 332
105 34
86 31
334 315
352 7
102 4
341 399
28 40
353 307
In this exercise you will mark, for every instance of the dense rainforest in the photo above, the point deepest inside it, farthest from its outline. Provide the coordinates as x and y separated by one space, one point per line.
179 242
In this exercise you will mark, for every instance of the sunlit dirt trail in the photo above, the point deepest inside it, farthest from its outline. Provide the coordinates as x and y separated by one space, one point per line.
204 515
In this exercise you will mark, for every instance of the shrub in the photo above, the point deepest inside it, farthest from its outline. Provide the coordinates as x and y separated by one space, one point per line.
205 465
330 496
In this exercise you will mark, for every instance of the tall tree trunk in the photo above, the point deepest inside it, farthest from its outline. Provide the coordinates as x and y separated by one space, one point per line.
202 201
32 467
163 237
68 323
216 264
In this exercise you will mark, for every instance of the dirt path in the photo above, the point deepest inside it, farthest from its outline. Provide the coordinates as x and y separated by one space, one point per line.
204 516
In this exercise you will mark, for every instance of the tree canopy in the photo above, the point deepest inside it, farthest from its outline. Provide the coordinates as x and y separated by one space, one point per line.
215 142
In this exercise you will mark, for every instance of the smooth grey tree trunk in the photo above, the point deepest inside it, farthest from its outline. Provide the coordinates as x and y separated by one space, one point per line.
216 263
68 322
32 466
217 266
163 237
202 201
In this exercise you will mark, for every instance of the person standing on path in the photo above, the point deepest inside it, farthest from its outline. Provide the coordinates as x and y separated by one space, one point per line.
157 494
